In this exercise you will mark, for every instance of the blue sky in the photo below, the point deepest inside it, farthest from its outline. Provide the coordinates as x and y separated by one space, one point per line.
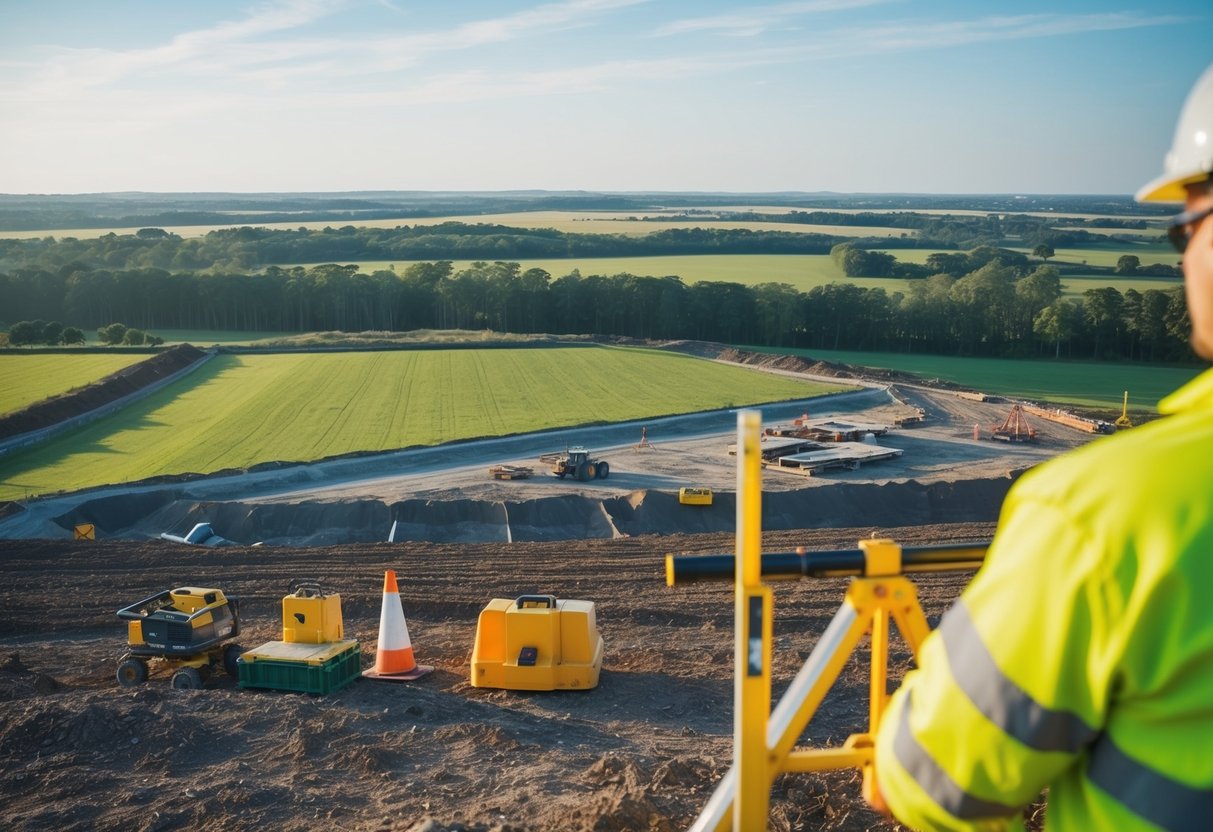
617 95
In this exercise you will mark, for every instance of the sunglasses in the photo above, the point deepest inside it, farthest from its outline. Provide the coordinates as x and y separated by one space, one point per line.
1177 229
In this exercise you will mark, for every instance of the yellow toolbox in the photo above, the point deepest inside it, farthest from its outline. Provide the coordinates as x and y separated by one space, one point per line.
695 496
537 642
311 617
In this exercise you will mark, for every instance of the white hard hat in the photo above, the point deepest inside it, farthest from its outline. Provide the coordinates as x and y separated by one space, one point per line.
1191 156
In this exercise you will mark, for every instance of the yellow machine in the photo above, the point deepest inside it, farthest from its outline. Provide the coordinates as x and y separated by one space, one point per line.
314 656
537 642
695 496
183 628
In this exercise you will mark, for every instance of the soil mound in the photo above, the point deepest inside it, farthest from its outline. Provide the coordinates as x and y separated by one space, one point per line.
128 380
566 517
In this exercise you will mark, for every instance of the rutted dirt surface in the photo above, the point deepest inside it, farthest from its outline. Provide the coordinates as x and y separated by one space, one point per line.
642 751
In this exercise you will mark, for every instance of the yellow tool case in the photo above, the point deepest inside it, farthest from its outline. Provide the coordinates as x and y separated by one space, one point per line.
537 642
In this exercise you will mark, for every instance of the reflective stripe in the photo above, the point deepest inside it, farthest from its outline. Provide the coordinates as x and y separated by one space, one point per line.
1150 795
933 780
1144 791
1002 701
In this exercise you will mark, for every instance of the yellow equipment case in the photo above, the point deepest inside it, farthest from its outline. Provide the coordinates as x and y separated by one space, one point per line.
695 496
537 642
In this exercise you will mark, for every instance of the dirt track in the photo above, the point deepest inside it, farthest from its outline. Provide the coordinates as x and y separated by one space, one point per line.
642 751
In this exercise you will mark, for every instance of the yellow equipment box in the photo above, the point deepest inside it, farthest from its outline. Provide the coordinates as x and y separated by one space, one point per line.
695 496
311 617
537 642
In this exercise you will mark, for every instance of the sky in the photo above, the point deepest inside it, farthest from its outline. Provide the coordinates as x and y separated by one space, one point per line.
852 96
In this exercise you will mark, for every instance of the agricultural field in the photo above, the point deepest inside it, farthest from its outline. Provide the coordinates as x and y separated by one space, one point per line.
573 222
25 379
240 410
1087 384
801 271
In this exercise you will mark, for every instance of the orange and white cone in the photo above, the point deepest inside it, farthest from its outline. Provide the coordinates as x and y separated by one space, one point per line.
394 661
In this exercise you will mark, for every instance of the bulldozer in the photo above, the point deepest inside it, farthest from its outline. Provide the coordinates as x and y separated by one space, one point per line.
184 629
578 463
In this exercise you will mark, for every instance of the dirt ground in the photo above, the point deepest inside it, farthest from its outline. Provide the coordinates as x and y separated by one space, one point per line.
642 751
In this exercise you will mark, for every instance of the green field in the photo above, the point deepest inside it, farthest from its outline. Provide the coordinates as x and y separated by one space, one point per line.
572 222
237 411
1088 384
25 379
802 271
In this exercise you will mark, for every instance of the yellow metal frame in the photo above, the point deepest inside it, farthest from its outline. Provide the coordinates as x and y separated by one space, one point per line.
764 740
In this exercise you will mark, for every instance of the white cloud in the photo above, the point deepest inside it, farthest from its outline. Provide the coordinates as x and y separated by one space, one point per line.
756 20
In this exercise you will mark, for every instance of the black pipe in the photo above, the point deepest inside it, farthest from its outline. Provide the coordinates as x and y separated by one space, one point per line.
823 564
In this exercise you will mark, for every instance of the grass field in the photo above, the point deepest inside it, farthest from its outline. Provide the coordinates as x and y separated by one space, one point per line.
25 379
574 222
802 271
1088 384
237 411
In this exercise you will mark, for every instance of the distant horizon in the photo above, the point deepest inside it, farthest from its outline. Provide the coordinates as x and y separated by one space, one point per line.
590 191
881 97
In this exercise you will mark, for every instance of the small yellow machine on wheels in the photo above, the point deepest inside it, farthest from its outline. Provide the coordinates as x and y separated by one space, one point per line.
185 629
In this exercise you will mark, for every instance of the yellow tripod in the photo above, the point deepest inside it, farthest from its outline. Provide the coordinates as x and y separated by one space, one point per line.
764 739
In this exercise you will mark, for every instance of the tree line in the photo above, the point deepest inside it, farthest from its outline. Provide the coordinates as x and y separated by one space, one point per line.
987 302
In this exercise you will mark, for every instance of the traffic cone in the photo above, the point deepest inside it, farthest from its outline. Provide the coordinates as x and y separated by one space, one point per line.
394 661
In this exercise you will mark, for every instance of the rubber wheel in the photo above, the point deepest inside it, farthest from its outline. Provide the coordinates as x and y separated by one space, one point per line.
591 470
187 678
604 470
582 474
132 671
231 653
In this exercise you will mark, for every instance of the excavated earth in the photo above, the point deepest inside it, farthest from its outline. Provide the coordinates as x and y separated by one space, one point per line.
642 751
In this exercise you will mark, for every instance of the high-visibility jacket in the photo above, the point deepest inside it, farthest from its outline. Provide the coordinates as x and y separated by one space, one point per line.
1081 655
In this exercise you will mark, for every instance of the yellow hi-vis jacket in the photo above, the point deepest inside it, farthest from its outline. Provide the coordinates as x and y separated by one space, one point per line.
1081 655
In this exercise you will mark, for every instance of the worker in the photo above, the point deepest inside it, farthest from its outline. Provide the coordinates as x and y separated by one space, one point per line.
1080 658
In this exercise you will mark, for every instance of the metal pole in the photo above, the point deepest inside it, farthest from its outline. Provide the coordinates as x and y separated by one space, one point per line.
752 625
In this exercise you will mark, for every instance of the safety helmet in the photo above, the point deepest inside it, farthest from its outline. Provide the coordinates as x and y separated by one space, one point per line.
1191 156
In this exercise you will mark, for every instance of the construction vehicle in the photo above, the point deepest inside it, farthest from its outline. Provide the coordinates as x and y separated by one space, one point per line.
188 629
1015 428
576 462
511 472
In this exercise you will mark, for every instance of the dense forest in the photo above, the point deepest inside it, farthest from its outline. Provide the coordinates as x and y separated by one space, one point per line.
989 302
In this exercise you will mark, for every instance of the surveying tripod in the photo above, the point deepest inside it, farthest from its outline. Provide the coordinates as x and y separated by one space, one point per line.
763 739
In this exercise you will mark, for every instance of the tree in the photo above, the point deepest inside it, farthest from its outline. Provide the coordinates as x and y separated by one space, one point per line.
22 333
133 337
112 334
1057 322
52 333
1044 251
72 335
1128 264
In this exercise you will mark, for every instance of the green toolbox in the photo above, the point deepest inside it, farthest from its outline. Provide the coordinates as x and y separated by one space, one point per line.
304 668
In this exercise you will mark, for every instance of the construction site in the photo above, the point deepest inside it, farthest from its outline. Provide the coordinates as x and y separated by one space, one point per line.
638 740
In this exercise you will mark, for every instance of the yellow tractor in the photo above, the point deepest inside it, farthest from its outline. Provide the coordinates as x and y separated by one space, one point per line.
184 629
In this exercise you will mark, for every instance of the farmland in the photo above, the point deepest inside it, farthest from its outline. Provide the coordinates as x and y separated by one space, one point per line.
25 379
801 271
1088 384
240 410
